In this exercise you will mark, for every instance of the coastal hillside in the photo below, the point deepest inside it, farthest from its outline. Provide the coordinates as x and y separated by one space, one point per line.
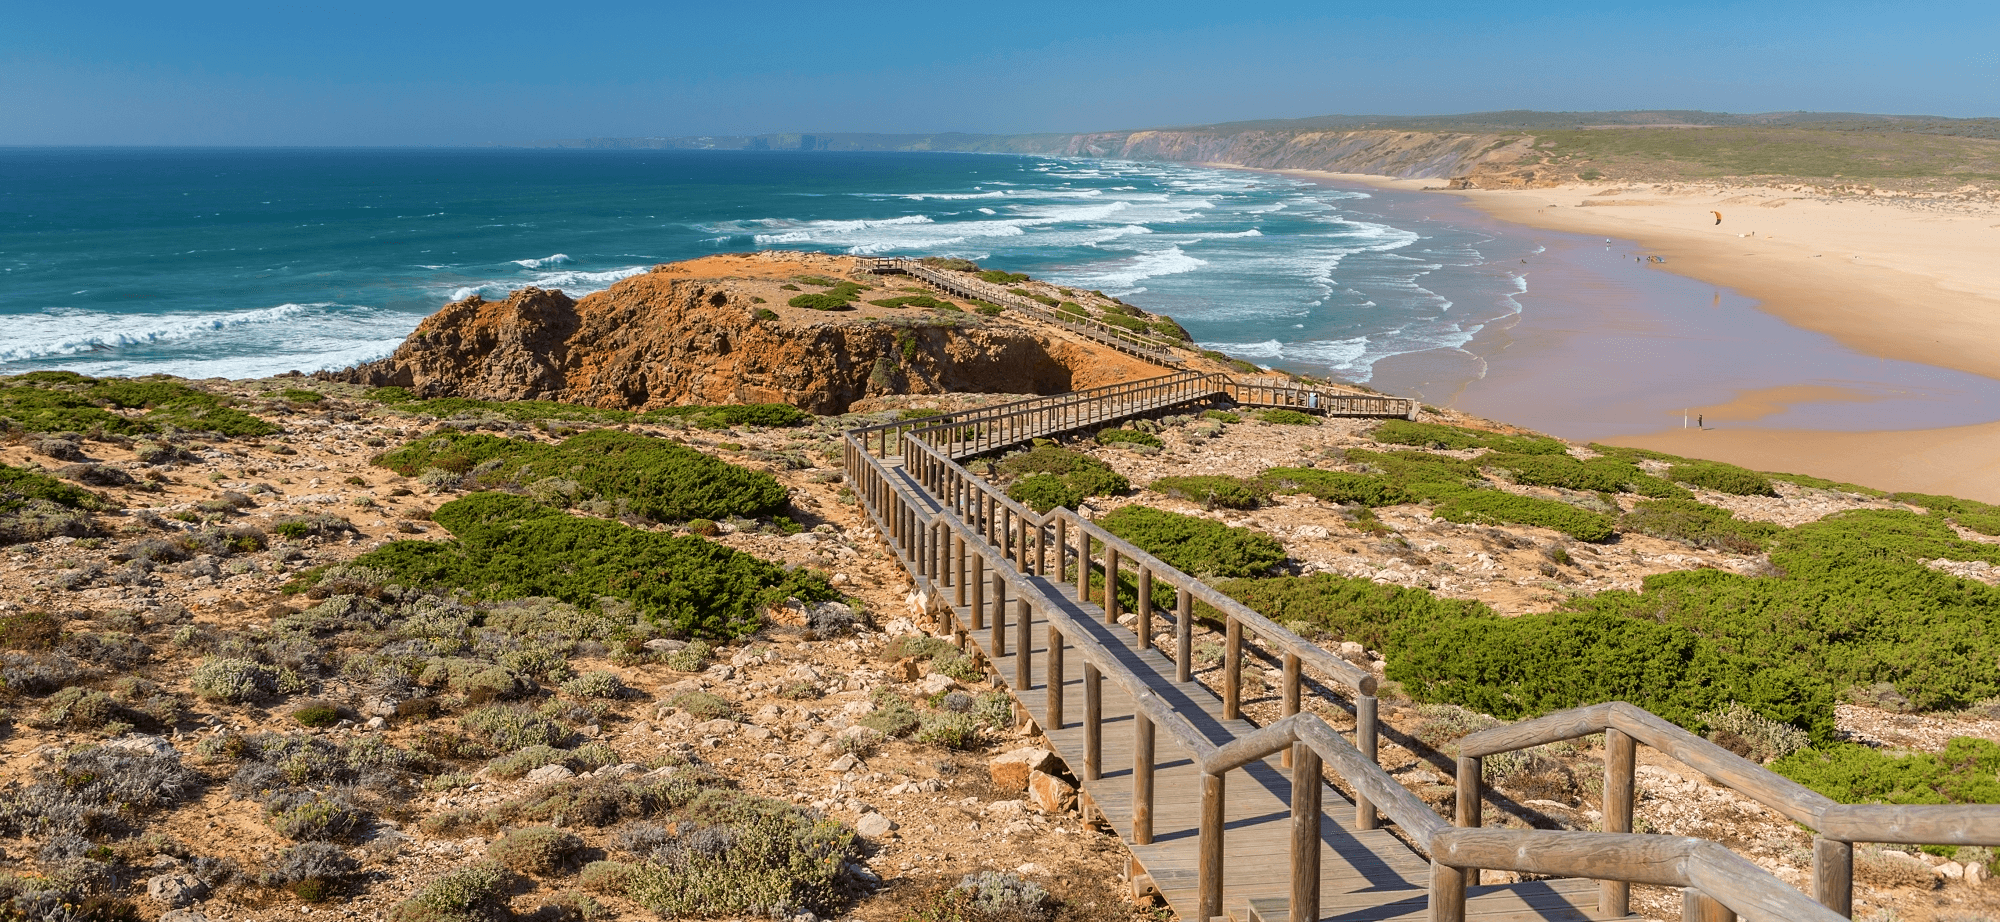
815 331
270 644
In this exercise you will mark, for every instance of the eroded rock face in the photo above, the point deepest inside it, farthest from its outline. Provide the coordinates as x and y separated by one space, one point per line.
676 337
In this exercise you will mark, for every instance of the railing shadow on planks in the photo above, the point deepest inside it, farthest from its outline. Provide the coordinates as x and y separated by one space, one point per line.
961 537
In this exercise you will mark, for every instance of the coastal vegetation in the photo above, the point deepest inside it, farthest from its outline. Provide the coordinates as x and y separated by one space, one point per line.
1049 476
603 469
62 401
720 416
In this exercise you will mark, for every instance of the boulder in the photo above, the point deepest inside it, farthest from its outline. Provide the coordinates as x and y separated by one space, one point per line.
143 744
1010 770
874 825
177 889
936 683
1976 874
549 773
1353 652
846 763
1050 793
905 670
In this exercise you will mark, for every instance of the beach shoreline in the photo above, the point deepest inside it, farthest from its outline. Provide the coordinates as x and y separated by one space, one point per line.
1900 279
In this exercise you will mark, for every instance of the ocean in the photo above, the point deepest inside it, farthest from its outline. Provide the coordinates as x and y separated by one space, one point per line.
246 263
243 263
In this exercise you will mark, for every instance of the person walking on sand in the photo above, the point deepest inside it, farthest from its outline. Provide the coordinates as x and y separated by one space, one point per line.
1700 421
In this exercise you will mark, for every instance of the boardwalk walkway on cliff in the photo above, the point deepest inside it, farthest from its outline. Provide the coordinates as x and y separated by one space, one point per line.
1231 820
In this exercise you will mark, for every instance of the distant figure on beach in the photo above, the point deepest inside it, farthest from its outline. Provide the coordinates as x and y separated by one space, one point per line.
1700 421
1718 216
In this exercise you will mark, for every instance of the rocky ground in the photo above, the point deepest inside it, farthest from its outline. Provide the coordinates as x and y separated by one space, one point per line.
929 815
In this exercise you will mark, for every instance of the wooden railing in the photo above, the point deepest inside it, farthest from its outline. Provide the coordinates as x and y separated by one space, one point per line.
1624 726
1151 348
1713 877
963 539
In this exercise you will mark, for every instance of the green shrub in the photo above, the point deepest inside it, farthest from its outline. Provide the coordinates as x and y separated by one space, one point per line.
915 301
67 402
949 730
1424 476
1165 326
655 478
522 761
301 395
509 727
317 714
765 313
893 716
597 683
771 858
233 679
1698 525
768 415
1852 603
1221 416
18 484
1349 608
998 277
990 310
1333 486
473 893
1288 417
1600 474
510 547
312 817
1722 478
1128 437
1752 735
1433 435
1211 490
1967 772
538 850
1196 546
1052 476
1493 507
704 705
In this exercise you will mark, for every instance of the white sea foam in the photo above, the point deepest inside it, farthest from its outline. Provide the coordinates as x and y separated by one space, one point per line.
64 331
1123 276
544 262
572 282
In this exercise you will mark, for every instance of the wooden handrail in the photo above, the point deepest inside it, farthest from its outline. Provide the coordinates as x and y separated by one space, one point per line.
1664 861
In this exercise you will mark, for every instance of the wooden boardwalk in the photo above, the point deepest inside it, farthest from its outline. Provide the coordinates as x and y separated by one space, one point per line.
1366 874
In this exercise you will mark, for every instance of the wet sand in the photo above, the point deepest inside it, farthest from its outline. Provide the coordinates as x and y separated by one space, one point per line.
1612 344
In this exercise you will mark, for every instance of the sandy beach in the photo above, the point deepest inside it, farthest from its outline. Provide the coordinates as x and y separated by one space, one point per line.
1866 288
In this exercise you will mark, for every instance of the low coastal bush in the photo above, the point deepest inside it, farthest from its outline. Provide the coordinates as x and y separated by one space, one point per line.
1600 474
1722 478
1052 476
1493 507
837 296
1128 437
1424 476
61 401
769 415
1456 438
510 547
471 893
1348 608
543 411
1199 547
1211 490
1341 487
660 480
1287 418
1852 602
741 855
998 277
916 301
1698 525
1165 326
1967 772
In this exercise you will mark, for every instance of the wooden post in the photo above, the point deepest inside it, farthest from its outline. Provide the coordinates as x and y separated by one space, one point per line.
1054 679
1110 585
1614 897
1082 563
1183 634
1062 549
1142 780
1232 671
1697 906
1291 693
997 646
1305 833
1471 801
1833 875
1447 894
1208 871
978 582
1364 740
1024 661
958 578
1144 610
1093 722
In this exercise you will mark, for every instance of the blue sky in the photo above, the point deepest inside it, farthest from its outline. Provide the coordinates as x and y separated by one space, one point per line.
372 73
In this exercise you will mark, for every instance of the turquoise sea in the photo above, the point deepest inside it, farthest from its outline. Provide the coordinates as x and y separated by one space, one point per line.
251 262
241 263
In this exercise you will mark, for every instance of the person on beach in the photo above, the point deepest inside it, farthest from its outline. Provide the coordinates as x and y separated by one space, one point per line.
1700 421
